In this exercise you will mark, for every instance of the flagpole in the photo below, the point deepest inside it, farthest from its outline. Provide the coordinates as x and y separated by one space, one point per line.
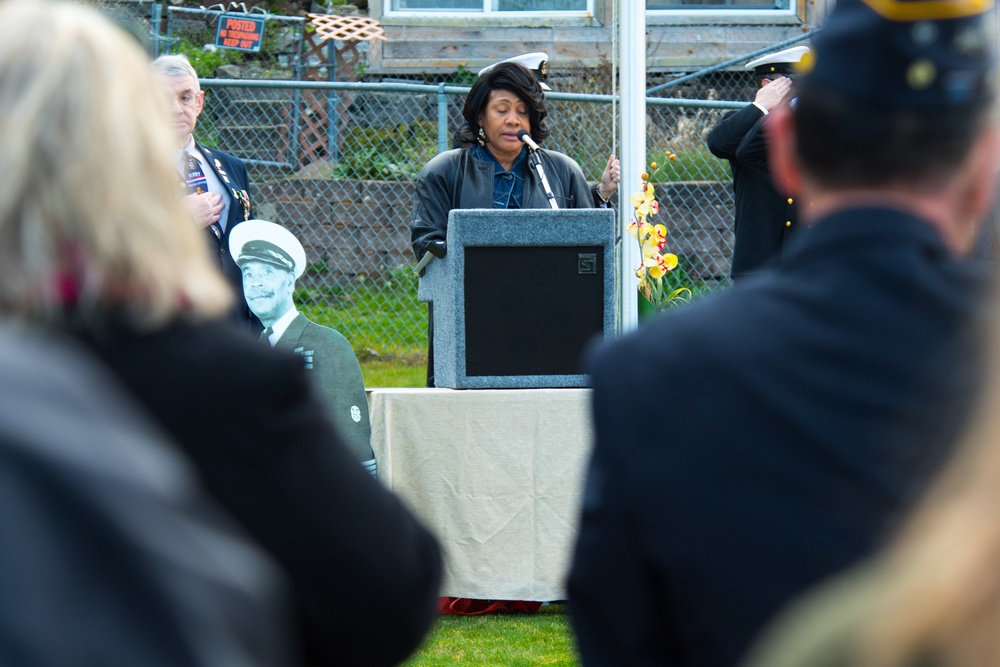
632 46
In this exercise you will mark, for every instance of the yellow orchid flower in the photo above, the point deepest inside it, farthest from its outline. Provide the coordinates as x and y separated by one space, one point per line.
649 261
656 263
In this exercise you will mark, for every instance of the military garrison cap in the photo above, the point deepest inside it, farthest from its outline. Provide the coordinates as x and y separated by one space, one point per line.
780 63
263 241
535 62
905 54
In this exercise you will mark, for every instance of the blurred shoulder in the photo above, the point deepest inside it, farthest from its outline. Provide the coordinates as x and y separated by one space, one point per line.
213 353
686 339
825 627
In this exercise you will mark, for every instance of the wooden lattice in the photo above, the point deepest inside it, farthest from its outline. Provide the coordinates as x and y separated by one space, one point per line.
347 28
313 145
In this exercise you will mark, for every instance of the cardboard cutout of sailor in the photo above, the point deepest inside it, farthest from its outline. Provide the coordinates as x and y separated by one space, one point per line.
271 260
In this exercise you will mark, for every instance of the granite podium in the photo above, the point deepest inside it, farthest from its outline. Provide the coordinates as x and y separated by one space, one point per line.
519 295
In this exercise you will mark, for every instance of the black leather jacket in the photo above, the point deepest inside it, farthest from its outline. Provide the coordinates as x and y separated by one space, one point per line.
455 179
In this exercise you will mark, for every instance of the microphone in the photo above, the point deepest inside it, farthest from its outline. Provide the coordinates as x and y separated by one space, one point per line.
535 160
526 138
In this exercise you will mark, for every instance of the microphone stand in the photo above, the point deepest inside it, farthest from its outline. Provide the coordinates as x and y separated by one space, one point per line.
535 160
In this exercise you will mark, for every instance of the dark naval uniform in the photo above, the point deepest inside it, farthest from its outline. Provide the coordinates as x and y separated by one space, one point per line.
233 174
764 218
840 378
332 363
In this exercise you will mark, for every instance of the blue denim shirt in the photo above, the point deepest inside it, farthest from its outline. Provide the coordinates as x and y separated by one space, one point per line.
508 186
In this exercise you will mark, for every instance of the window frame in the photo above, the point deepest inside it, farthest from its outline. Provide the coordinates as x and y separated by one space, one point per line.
487 13
795 14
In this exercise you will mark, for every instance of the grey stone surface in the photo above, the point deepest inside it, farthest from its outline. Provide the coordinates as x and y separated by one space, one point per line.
443 282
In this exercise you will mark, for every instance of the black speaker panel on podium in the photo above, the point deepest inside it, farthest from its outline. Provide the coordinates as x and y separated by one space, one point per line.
519 296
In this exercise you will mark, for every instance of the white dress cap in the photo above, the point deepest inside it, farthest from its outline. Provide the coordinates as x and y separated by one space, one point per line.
780 62
534 61
256 231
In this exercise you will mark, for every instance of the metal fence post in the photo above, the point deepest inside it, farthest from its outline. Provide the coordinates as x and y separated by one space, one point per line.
154 28
297 67
332 100
442 104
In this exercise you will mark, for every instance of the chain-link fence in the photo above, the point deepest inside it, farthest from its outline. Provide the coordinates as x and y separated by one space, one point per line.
351 204
345 187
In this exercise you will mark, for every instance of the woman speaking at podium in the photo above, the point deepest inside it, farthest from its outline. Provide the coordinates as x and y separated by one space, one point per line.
491 168
496 164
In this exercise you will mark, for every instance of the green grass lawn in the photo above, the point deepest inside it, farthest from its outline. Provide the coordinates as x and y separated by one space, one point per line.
515 640
411 372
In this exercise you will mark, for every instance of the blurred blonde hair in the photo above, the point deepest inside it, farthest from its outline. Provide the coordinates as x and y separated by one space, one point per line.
90 215
942 574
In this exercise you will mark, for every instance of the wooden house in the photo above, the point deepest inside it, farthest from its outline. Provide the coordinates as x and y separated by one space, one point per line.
439 36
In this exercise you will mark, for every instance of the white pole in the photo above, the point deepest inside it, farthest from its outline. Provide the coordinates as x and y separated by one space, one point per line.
632 45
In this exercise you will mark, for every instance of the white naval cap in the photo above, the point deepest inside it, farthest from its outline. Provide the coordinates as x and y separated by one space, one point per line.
779 62
534 61
263 241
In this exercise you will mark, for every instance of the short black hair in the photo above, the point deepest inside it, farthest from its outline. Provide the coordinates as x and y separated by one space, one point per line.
505 76
846 143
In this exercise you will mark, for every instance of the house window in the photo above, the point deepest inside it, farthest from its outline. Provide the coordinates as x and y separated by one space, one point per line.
726 5
491 6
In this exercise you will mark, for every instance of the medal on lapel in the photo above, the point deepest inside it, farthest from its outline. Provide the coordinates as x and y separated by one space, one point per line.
244 198
222 172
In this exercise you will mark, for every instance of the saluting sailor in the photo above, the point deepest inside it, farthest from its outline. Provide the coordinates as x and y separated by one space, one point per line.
216 187
765 215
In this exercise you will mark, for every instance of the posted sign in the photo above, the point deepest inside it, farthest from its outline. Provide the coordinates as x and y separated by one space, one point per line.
239 31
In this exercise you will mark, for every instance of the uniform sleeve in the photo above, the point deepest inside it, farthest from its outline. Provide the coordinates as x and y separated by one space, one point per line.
725 137
343 388
752 151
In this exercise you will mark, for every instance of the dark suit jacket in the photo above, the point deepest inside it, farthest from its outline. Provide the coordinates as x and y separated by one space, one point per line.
112 553
364 571
331 362
802 412
764 218
233 174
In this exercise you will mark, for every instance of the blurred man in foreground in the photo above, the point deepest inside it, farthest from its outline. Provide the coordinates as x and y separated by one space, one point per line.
808 405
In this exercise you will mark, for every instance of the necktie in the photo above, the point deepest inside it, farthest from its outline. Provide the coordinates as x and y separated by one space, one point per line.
265 336
194 179
194 175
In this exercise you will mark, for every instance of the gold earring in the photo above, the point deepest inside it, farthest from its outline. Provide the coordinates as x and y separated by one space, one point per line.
482 136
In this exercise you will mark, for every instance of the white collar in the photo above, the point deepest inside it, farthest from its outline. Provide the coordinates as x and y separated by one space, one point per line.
279 327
